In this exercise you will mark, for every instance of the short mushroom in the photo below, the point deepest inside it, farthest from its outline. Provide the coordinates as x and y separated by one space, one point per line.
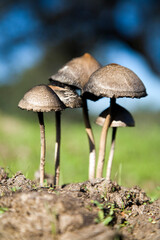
76 73
113 81
121 118
42 99
68 96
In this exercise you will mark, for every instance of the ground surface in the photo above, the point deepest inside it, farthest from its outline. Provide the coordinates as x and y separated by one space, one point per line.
89 210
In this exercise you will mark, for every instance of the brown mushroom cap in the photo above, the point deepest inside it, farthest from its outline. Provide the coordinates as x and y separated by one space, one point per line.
77 71
41 98
121 117
68 96
116 81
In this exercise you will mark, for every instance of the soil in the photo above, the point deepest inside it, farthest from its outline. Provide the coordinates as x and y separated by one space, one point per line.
81 211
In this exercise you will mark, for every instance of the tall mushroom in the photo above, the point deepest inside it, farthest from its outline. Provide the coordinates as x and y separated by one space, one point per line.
113 81
76 73
120 118
42 99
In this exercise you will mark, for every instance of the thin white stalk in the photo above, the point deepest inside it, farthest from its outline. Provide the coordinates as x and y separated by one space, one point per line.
111 154
57 147
92 151
43 148
102 146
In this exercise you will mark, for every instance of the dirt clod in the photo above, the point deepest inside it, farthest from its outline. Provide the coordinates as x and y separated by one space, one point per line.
94 210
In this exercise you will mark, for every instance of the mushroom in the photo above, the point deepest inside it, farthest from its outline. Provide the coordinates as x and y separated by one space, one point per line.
67 95
113 81
121 118
76 73
42 99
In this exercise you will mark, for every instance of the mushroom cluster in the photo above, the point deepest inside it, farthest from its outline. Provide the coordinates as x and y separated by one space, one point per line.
94 81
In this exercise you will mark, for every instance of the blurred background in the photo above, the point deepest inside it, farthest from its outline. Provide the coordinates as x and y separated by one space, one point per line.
36 39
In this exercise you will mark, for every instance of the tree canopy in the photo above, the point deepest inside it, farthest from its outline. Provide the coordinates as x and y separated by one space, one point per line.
30 28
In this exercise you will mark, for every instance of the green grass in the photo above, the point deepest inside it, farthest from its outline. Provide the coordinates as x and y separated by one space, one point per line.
136 159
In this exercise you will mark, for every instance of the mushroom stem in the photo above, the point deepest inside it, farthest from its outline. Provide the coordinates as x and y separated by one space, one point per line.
102 146
111 154
57 147
92 151
43 147
103 138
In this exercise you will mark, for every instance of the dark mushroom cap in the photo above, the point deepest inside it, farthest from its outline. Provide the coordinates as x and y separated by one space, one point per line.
41 98
68 96
77 71
116 81
121 117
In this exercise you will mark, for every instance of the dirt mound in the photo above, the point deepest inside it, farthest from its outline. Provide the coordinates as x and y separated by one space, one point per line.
90 210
